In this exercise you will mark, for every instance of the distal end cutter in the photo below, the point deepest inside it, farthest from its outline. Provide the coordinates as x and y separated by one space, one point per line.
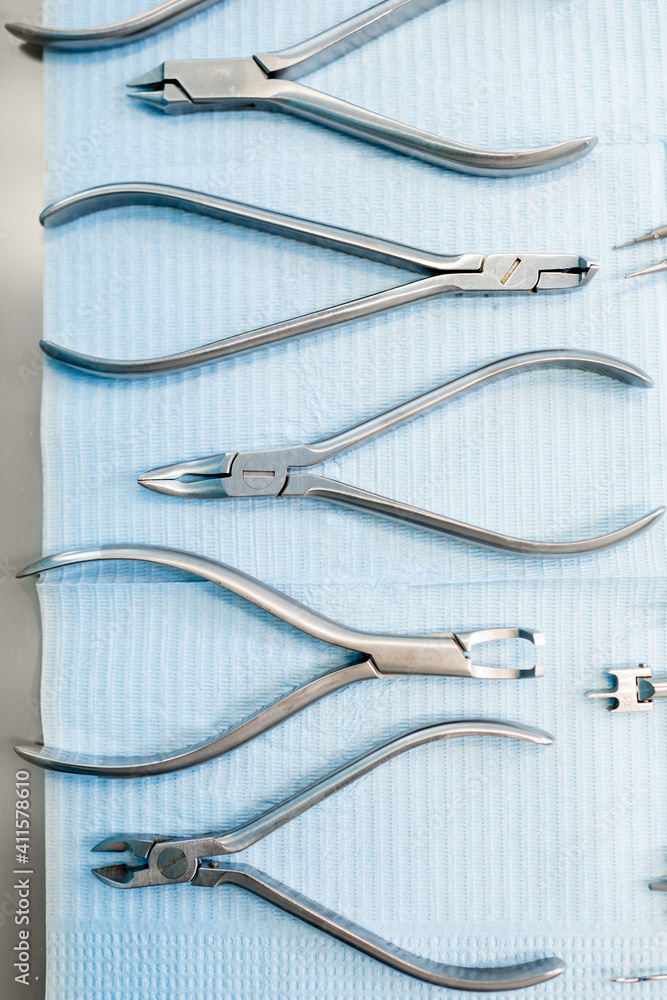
437 274
266 82
444 654
269 473
160 860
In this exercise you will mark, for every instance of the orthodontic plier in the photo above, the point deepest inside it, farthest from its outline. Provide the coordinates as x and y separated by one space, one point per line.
160 861
269 473
440 274
266 82
441 655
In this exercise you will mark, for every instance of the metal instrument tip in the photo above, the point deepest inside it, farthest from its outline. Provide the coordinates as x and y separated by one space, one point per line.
652 269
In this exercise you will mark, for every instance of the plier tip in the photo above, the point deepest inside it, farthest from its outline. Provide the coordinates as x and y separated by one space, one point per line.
116 876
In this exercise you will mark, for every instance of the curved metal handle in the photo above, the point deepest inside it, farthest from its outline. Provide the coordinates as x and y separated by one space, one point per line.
108 196
107 36
337 41
254 591
300 326
143 767
511 977
250 833
593 361
320 488
309 55
304 102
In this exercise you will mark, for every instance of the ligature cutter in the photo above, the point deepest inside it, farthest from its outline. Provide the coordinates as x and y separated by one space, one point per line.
266 82
269 473
441 654
462 274
161 860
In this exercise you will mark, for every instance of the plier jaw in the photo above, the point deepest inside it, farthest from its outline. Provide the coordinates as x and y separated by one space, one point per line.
160 861
230 474
469 639
534 272
179 86
570 271
204 478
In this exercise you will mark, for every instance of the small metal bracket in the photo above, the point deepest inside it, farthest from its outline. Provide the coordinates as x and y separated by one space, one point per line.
635 689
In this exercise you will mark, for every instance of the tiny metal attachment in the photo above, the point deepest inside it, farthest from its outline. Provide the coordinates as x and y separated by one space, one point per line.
635 689
639 979
437 274
652 269
269 473
655 234
163 861
440 655
266 82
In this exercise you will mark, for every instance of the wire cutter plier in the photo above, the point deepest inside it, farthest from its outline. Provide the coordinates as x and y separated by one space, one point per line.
437 274
269 473
162 861
266 82
443 654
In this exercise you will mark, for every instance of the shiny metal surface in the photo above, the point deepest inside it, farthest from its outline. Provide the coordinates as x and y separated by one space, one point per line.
635 689
440 654
459 274
457 977
150 847
171 860
340 40
106 36
268 473
639 979
656 234
658 268
266 82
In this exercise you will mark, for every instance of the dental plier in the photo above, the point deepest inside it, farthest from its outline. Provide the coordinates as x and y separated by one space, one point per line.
266 82
269 473
164 860
440 655
462 274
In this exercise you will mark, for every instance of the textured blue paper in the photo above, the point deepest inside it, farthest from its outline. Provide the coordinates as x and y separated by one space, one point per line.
475 852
